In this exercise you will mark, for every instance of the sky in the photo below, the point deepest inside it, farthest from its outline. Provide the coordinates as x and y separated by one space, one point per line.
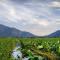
40 17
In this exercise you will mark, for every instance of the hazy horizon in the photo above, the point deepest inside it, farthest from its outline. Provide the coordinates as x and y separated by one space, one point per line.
40 17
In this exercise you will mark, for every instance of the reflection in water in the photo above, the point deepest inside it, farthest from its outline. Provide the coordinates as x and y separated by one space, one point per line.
17 54
25 58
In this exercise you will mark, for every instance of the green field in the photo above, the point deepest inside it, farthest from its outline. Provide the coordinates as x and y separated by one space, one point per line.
49 48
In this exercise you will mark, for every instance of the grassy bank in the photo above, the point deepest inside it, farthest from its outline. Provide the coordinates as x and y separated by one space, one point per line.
48 47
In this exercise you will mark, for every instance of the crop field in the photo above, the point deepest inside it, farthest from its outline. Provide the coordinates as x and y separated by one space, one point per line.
33 48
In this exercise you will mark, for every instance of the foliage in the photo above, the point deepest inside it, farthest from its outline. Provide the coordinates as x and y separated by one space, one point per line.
30 47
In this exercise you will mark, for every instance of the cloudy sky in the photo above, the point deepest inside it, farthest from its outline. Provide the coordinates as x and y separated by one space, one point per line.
40 17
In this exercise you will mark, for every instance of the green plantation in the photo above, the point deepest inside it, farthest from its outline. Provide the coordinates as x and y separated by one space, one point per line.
34 48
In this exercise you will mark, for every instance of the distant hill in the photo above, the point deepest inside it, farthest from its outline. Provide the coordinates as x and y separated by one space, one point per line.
13 32
55 34
6 31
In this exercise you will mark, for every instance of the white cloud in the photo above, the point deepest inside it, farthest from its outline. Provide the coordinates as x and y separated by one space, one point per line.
12 11
55 4
41 22
44 23
8 11
14 14
34 17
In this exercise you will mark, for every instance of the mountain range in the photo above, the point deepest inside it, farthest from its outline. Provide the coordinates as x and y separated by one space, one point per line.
55 34
6 31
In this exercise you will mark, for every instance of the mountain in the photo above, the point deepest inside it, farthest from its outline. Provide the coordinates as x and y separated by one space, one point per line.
55 34
6 31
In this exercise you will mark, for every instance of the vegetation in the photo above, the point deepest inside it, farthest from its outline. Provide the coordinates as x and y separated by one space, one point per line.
48 48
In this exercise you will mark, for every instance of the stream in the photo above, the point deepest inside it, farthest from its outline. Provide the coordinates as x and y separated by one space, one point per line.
17 54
